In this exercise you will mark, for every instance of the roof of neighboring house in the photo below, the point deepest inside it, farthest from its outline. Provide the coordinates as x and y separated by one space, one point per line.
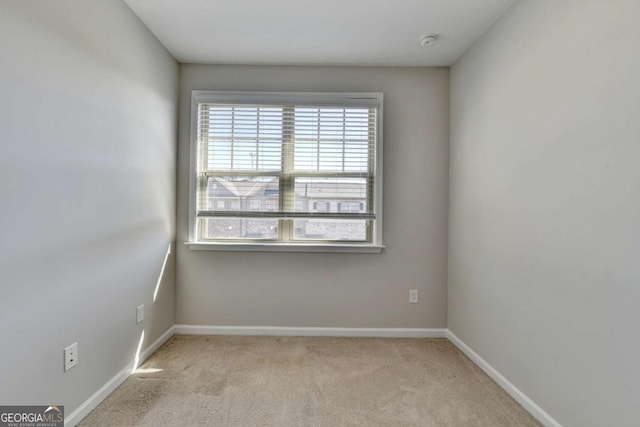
244 188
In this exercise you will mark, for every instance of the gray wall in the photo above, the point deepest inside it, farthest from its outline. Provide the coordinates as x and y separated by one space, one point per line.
88 121
544 266
334 290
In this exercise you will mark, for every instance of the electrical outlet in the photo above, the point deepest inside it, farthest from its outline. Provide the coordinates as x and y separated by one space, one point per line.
140 313
413 296
70 356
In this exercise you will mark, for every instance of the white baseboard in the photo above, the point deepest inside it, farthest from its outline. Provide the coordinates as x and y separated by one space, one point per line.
91 403
512 390
144 355
310 331
83 410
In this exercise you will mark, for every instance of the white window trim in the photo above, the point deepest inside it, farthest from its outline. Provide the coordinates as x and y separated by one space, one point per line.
285 247
330 98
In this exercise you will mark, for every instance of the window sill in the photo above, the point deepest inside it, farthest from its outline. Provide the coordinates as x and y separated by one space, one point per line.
285 247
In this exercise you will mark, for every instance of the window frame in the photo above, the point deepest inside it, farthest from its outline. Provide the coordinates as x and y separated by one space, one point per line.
334 99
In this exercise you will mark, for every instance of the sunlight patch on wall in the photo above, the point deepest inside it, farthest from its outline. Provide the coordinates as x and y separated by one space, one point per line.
164 265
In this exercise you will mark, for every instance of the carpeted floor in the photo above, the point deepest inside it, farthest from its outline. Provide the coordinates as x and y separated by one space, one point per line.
308 381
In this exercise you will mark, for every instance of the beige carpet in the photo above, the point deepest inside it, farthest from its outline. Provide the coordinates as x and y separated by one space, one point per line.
274 381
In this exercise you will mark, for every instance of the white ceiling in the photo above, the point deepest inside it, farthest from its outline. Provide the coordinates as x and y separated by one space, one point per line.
331 32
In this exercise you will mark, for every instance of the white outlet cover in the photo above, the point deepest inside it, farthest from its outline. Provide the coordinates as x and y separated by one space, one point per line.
413 296
140 313
70 356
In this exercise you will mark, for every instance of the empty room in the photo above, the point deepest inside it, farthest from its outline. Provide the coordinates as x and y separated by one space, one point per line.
320 213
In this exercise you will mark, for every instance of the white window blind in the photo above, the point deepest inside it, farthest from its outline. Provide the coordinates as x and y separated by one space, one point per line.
286 167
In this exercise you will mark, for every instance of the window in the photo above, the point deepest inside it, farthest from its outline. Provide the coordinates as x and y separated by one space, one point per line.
286 170
352 206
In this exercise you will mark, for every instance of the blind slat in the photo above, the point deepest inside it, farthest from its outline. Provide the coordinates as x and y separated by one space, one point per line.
283 215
